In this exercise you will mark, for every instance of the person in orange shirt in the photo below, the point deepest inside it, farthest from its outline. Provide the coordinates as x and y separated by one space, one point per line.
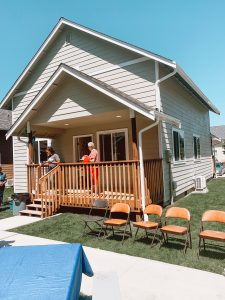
92 157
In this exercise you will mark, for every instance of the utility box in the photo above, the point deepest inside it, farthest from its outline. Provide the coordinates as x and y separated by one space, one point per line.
20 200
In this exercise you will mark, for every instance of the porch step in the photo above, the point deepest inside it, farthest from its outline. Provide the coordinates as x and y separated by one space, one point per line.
32 212
35 206
38 201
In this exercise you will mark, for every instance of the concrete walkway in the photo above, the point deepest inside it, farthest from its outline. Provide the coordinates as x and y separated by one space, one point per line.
124 277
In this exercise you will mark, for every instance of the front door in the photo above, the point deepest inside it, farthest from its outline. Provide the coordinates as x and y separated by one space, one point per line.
80 146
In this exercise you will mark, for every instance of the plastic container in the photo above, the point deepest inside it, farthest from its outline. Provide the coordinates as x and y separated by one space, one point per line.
20 200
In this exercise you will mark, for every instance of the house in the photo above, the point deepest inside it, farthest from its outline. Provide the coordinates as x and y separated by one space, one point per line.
218 142
6 151
148 119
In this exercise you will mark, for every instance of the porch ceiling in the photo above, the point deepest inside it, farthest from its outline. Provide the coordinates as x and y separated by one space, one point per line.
101 118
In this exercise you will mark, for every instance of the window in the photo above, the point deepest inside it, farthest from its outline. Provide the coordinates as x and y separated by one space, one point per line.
40 145
178 145
80 146
196 144
113 145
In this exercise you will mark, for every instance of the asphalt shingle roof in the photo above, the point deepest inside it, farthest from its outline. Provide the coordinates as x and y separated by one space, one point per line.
5 119
218 131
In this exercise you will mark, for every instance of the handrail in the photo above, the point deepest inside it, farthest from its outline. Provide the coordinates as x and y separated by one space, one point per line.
79 184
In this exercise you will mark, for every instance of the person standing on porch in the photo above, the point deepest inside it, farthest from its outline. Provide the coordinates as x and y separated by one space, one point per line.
3 180
53 158
92 157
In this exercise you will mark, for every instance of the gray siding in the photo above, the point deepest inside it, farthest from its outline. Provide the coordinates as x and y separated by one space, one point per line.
73 99
90 54
194 117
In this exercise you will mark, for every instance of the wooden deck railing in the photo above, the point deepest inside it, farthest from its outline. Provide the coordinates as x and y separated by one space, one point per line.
78 184
154 180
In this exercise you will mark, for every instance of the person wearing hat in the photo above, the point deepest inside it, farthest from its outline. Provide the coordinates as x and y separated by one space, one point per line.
3 180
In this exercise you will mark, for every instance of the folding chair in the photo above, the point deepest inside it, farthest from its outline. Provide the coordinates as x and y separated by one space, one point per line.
177 213
215 216
119 208
150 210
96 220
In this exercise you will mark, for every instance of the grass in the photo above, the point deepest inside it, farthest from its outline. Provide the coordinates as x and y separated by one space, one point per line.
68 227
5 212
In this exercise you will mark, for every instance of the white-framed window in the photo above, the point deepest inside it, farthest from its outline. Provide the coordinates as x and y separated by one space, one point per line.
40 146
113 145
80 146
196 147
178 145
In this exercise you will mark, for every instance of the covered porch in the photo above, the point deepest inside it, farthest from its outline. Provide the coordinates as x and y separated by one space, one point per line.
73 109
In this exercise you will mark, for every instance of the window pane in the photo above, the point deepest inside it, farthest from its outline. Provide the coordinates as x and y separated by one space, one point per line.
119 148
198 147
175 146
105 147
43 154
195 148
81 144
181 147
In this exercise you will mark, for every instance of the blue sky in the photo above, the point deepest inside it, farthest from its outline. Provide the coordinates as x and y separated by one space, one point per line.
190 32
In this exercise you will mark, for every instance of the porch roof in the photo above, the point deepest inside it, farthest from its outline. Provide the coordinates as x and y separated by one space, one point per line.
98 85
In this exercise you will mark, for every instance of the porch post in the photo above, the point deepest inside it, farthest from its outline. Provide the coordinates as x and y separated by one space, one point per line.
30 144
134 135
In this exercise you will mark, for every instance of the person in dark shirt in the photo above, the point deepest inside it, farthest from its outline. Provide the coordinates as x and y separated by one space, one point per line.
3 181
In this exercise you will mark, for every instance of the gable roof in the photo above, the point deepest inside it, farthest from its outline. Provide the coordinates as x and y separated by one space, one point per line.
104 88
218 131
5 119
64 22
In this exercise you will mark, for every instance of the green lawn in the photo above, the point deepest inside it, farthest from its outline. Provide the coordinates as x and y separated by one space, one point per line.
5 212
68 227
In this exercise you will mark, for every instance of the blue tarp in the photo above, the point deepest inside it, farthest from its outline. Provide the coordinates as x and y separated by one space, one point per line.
52 272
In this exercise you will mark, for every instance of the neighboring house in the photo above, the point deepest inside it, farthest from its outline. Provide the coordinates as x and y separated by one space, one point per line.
6 151
148 119
218 142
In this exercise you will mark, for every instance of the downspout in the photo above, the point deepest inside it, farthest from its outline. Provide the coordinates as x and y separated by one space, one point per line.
158 81
142 175
159 108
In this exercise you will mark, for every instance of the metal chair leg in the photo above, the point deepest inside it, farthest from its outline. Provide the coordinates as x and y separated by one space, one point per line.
153 239
199 246
190 240
124 233
203 243
136 233
130 230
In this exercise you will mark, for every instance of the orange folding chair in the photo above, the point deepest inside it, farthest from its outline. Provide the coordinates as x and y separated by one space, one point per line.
122 209
215 216
177 213
150 210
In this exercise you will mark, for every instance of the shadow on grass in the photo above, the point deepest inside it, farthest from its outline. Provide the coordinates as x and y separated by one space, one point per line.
83 297
213 251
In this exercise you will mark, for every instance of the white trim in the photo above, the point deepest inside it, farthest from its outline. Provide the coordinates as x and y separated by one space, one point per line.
180 161
187 79
68 70
57 28
125 130
124 64
79 136
198 159
127 63
169 119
